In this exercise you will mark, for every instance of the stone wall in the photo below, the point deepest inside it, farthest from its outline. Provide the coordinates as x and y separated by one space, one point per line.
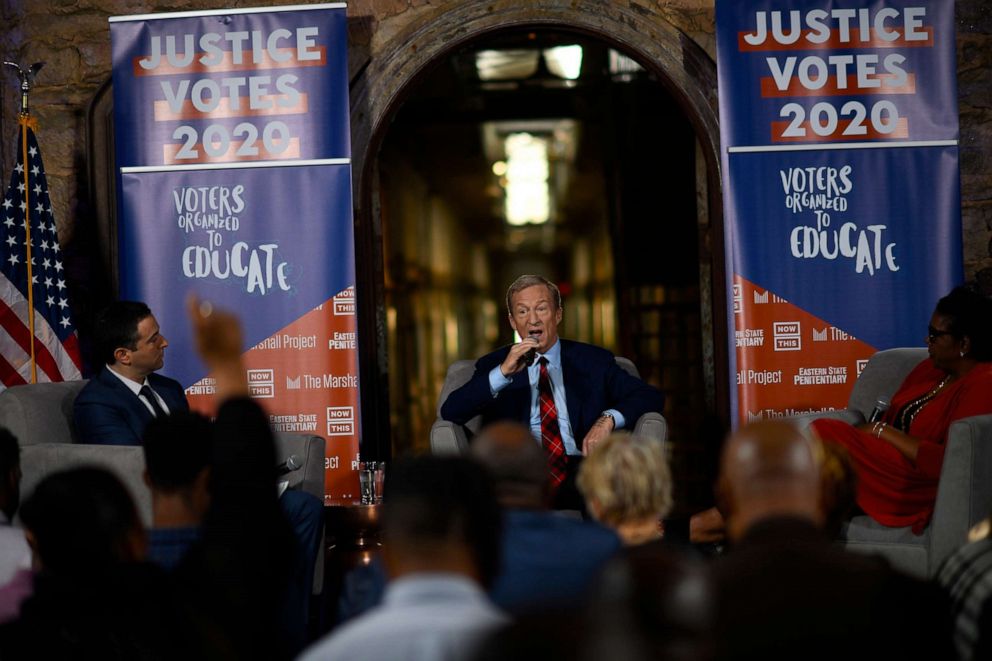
72 38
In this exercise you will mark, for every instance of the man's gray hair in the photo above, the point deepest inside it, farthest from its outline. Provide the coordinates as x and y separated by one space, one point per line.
525 281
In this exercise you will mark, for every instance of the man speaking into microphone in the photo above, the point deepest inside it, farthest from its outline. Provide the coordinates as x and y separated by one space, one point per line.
571 394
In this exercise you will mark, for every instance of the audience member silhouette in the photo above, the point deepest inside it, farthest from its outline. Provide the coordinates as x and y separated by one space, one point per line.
93 596
967 577
15 556
550 560
784 591
440 546
177 471
627 486
652 602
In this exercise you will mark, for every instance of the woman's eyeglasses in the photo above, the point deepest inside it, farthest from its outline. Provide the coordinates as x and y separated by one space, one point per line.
934 333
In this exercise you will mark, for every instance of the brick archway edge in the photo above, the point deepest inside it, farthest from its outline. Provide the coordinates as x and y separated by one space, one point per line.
678 62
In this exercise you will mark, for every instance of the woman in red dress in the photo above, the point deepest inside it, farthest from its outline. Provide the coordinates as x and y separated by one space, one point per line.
898 459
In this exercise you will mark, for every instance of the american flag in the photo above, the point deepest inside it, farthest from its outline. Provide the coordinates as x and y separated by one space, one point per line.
56 345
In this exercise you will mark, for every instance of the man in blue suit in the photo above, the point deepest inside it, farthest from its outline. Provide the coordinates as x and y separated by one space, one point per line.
118 403
591 394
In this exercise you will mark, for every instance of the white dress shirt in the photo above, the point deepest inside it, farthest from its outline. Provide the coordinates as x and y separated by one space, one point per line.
135 387
423 617
497 382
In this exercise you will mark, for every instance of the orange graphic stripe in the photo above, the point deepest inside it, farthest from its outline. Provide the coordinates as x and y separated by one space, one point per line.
224 109
778 128
796 88
170 153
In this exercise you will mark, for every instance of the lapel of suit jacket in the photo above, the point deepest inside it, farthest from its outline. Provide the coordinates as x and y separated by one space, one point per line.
138 414
572 374
519 390
166 391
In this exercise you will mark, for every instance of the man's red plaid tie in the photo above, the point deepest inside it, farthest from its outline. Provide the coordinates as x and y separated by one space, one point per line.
550 431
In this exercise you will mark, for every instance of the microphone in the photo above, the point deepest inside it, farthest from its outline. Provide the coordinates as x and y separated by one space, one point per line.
531 355
291 464
881 406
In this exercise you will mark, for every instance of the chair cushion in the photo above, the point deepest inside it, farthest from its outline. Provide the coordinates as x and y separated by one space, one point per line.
904 550
27 411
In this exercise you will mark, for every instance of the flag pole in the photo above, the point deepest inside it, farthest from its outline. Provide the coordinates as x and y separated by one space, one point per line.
24 121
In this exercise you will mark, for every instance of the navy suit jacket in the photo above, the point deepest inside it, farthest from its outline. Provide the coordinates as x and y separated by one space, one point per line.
107 413
593 383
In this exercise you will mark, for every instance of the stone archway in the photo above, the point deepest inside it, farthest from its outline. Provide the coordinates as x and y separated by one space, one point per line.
379 90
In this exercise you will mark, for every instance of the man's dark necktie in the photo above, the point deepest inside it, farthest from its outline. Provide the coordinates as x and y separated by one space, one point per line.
550 431
149 395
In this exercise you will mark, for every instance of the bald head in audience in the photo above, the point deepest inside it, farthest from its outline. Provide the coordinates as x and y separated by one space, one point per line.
517 464
769 469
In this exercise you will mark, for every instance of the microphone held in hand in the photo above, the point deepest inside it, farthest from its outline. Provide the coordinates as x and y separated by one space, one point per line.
529 357
291 464
881 406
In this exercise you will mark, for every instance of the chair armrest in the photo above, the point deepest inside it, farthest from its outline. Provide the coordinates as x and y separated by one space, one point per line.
310 450
964 493
448 438
653 426
849 416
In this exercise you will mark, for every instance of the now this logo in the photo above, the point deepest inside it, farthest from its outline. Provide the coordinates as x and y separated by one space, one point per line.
262 383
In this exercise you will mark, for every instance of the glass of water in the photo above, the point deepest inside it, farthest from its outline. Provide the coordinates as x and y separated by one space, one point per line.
366 481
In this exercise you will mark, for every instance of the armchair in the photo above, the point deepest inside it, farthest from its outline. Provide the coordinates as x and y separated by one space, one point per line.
964 492
450 438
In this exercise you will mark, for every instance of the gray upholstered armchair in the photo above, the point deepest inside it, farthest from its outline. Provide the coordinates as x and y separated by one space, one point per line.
40 416
449 438
964 493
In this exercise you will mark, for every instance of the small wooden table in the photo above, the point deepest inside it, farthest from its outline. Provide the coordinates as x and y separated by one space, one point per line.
351 539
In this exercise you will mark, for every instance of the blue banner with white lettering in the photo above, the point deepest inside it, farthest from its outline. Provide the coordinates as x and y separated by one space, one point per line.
232 138
841 189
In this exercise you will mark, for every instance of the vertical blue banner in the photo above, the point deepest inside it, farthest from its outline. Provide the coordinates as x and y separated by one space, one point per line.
841 188
232 135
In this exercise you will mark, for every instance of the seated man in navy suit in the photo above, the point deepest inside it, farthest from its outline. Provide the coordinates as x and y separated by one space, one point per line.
118 403
571 395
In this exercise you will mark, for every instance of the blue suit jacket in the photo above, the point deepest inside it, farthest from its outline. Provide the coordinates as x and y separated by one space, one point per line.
593 383
107 413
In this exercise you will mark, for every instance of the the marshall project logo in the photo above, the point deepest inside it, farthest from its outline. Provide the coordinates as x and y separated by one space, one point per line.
340 420
321 381
298 422
344 303
262 384
287 341
759 377
772 414
788 336
767 297
738 300
830 333
861 366
820 376
750 337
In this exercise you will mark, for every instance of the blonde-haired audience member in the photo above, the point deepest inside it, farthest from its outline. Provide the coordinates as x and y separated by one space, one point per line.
628 486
